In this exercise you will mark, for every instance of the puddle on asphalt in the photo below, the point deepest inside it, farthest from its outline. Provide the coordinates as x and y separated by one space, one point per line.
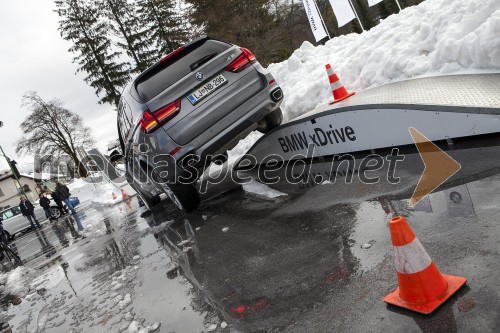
265 263
243 263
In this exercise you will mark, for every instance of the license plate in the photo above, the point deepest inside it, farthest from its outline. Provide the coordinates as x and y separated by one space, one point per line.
206 89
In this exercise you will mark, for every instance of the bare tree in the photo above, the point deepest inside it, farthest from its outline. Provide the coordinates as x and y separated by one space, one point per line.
51 129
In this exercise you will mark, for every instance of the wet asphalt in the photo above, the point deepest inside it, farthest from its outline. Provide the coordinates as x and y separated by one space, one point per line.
318 262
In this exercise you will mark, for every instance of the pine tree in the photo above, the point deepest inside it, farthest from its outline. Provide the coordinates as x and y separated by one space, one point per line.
133 34
82 25
165 24
391 7
247 23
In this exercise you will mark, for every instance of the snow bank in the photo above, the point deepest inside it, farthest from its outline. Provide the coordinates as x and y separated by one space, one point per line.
435 37
100 192
261 190
16 282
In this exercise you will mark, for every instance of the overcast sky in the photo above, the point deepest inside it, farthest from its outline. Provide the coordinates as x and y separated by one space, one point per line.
33 56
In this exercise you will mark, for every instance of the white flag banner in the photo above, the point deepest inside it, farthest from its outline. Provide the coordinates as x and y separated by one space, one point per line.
343 11
374 2
314 20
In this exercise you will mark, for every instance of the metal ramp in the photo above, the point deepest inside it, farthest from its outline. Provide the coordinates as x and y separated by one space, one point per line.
441 107
480 91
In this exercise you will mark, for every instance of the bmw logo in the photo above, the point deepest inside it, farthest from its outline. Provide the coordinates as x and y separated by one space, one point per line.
200 76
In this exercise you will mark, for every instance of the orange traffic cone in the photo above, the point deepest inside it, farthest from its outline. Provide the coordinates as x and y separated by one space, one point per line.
338 90
422 288
114 195
124 195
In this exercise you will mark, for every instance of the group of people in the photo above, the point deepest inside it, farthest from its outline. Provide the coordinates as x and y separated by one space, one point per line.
60 195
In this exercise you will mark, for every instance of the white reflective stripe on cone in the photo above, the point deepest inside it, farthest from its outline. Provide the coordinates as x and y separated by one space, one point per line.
335 85
411 258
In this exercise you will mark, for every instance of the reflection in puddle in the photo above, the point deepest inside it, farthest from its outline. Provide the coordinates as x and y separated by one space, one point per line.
277 261
317 261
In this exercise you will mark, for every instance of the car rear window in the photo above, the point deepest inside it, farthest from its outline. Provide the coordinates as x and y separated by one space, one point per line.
168 73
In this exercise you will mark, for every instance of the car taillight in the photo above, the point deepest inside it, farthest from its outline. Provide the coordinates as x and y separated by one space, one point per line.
245 59
150 121
168 111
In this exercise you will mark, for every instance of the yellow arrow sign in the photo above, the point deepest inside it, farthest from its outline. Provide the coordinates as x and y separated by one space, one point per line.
439 166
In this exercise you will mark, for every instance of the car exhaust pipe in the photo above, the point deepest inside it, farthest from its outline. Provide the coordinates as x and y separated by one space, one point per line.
277 95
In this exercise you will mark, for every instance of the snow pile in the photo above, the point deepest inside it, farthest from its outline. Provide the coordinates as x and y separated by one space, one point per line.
261 190
435 37
16 282
100 192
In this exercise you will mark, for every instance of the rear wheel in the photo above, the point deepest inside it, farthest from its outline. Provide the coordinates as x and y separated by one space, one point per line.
7 235
271 121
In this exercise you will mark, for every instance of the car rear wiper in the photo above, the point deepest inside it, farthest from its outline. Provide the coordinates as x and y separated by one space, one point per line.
201 61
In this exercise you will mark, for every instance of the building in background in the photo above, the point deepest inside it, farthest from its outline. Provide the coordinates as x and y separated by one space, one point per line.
33 185
45 181
10 190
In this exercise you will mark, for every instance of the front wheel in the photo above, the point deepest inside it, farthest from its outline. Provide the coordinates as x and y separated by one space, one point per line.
151 202
184 196
55 212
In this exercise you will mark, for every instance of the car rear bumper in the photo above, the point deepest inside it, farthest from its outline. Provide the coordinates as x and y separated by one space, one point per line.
236 125
220 137
215 107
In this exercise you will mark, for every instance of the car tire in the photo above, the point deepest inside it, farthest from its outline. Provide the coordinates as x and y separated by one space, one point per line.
8 235
55 212
150 203
184 196
271 121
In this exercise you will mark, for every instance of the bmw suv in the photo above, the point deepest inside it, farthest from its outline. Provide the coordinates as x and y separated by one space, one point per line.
186 111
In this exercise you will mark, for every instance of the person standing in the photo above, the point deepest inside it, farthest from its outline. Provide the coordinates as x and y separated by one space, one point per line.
62 192
45 203
3 237
58 202
28 210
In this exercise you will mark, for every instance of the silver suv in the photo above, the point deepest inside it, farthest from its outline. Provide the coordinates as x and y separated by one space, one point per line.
186 111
